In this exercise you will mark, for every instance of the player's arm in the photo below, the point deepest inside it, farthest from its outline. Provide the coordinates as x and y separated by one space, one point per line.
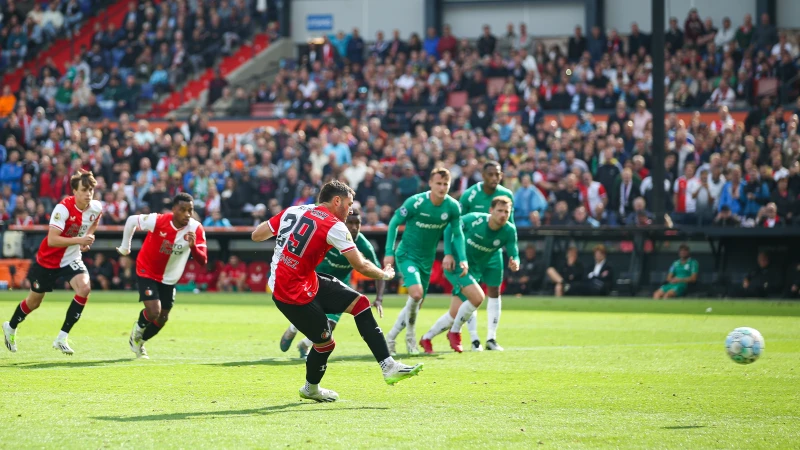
693 277
198 246
145 222
512 249
58 220
458 241
90 232
449 263
671 274
267 229
400 217
339 237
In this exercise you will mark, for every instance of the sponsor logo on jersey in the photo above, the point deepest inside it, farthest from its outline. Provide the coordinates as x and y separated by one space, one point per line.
480 247
72 218
445 216
403 211
162 233
430 226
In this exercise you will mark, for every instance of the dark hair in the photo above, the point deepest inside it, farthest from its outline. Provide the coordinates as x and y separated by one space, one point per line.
181 197
334 188
442 172
683 247
355 213
504 200
488 164
82 178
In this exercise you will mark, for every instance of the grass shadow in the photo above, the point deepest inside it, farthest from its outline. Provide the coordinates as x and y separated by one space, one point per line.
267 410
298 361
683 427
69 364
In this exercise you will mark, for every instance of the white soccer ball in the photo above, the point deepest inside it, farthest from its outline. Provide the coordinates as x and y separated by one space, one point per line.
744 345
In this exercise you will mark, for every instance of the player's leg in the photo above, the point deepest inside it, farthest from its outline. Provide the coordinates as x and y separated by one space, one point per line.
82 285
42 281
416 296
305 344
411 281
472 294
493 277
310 320
446 320
557 279
166 295
442 325
287 338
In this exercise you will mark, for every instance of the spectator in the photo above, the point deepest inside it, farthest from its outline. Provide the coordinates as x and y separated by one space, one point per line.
339 149
682 273
744 34
101 272
597 282
765 35
624 194
8 102
570 271
726 219
233 276
693 28
674 36
126 278
768 217
576 46
215 219
486 43
526 280
639 217
638 40
725 36
763 281
527 200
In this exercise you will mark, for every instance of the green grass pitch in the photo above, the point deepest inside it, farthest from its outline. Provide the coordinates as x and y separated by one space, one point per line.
576 373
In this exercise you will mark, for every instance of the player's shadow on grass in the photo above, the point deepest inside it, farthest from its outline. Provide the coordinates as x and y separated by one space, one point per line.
69 364
683 427
298 361
267 410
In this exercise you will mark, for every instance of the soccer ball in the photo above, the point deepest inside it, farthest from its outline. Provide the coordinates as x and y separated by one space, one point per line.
744 345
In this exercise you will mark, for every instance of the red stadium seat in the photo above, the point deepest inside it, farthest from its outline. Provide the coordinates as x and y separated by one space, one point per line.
257 276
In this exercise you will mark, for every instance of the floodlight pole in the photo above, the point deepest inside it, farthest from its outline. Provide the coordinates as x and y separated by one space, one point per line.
659 133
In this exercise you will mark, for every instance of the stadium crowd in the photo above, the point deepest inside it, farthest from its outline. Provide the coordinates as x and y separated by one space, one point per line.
391 110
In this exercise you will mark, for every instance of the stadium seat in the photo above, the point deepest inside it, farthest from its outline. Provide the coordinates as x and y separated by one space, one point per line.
257 276
458 99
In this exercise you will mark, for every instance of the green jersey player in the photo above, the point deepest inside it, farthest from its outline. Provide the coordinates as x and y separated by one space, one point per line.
337 265
485 235
682 272
425 216
478 198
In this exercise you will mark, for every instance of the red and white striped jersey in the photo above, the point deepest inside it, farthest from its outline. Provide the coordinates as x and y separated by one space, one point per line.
595 193
73 223
166 249
303 235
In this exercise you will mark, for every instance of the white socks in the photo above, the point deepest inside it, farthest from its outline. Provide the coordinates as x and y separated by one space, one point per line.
412 309
292 328
311 388
493 313
386 363
62 335
307 342
399 324
464 313
443 324
472 326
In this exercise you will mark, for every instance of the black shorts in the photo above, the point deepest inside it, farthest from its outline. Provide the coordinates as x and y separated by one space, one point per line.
333 297
44 280
150 289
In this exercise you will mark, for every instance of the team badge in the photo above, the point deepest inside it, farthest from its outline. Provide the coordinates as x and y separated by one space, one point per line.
186 237
36 285
91 218
326 334
148 292
412 269
403 211
445 216
496 242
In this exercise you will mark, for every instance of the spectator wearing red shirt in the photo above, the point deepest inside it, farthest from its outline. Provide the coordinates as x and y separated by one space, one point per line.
447 43
233 276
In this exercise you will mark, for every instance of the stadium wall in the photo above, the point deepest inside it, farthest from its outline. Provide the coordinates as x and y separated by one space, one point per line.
542 18
788 14
620 14
315 18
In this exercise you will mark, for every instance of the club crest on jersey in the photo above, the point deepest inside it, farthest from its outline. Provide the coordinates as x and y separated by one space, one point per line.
91 218
186 237
444 216
412 269
496 242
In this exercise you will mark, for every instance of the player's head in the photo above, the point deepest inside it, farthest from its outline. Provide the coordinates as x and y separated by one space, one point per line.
82 184
492 174
338 198
353 222
683 251
182 209
500 210
439 182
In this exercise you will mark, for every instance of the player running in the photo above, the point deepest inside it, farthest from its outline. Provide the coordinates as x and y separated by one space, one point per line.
337 265
485 234
72 226
171 238
425 216
304 235
478 198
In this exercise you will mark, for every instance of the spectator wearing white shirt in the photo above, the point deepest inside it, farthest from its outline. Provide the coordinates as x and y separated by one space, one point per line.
640 119
781 46
407 80
722 95
52 21
725 35
778 171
